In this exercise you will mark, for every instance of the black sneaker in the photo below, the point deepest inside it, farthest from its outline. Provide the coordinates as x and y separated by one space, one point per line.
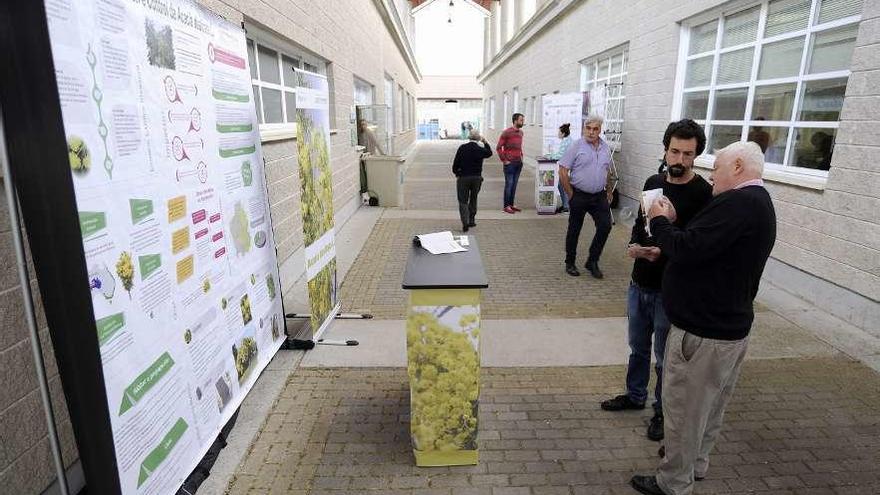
620 403
472 224
655 428
593 268
464 228
572 270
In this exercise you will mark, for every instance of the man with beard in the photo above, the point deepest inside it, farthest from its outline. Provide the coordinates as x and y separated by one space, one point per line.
511 154
714 267
683 141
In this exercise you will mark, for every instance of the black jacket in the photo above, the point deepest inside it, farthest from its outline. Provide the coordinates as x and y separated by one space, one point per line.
469 159
715 263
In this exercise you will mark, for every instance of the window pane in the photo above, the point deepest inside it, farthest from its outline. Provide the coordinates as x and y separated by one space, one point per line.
703 38
772 141
822 100
781 59
617 65
589 72
734 67
603 69
699 72
722 135
741 27
287 66
785 16
833 49
257 103
830 10
309 67
268 65
730 104
773 102
290 103
695 105
252 60
813 148
272 105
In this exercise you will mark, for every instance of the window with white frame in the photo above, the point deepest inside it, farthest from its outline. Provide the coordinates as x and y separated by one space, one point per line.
607 72
533 111
398 114
774 73
526 110
272 77
491 119
389 100
506 107
516 100
540 110
363 92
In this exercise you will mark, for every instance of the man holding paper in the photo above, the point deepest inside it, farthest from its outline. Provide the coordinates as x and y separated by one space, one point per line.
712 275
683 142
585 172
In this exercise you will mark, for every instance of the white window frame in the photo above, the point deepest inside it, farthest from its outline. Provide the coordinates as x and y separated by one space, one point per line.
506 107
287 128
780 172
388 87
516 101
492 112
532 111
358 85
615 89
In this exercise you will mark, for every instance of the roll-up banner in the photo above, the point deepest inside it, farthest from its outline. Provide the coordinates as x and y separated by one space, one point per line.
316 179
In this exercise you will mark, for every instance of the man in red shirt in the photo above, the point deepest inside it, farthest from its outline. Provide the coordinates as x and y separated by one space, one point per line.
510 151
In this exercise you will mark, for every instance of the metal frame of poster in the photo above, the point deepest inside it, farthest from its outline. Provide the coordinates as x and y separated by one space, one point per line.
316 180
148 223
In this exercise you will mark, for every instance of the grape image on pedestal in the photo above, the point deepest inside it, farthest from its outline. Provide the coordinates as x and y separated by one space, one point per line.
444 369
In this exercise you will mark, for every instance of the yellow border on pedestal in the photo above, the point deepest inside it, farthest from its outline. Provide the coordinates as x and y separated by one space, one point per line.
444 297
436 458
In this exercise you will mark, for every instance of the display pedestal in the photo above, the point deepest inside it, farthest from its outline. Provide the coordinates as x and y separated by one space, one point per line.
546 182
443 354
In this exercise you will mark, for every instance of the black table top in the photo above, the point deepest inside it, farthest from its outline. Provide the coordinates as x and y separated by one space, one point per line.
445 271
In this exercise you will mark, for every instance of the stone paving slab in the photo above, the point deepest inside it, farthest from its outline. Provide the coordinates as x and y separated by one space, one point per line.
524 261
794 426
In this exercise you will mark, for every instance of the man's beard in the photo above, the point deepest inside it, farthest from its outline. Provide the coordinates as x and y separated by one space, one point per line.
677 170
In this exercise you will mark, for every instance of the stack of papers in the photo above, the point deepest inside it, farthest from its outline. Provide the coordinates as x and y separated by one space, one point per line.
440 243
649 197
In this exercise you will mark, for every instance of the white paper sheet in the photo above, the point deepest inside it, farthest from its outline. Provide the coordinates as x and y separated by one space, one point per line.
649 197
440 243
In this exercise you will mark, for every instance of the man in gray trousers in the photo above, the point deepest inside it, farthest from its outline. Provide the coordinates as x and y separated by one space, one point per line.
468 168
712 274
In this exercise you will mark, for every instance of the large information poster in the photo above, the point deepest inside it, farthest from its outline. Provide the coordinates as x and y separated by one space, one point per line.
316 179
564 108
165 157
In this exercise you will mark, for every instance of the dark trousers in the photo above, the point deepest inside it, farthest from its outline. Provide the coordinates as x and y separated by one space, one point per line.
581 203
468 188
511 178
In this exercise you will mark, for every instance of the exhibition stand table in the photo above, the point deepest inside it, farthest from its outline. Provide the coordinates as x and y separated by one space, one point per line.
443 353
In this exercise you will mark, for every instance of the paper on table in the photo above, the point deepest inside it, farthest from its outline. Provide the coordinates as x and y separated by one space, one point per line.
440 243
648 199
463 240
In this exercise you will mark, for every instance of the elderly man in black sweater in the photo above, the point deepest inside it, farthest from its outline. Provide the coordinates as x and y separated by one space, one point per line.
468 168
711 279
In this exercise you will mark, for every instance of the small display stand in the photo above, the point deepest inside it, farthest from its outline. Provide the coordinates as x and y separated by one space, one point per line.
546 182
443 353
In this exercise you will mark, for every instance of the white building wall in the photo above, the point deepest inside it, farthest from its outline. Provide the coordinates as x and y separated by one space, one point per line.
829 240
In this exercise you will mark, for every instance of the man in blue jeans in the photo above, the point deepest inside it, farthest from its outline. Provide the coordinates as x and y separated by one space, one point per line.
510 152
683 141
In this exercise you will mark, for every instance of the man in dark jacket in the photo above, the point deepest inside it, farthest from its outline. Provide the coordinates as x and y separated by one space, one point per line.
468 168
683 142
711 279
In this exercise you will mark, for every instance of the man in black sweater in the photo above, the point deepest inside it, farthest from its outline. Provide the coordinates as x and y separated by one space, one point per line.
468 168
683 142
711 279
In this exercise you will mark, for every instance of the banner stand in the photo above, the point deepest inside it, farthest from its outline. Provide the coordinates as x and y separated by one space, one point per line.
301 344
28 299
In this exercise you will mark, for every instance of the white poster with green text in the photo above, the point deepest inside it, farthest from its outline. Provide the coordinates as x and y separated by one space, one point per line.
316 178
165 157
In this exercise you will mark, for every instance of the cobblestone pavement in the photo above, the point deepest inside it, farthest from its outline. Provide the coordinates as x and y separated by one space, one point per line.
795 426
524 260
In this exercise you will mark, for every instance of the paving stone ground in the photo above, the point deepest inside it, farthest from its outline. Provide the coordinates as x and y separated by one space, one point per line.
795 426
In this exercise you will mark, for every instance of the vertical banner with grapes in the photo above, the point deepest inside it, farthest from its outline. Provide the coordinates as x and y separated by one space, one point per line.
443 362
313 152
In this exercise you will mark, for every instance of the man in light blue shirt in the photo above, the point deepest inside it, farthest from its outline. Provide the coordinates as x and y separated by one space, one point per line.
585 173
